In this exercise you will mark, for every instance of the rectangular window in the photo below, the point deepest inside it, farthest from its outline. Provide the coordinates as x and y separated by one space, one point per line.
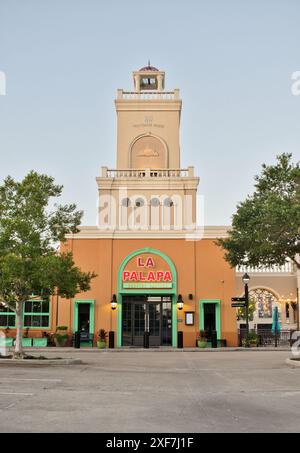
7 317
37 314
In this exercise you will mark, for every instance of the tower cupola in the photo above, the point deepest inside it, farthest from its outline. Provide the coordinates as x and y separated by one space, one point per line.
149 78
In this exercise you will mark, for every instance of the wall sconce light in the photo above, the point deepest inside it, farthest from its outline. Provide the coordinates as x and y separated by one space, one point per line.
180 302
114 302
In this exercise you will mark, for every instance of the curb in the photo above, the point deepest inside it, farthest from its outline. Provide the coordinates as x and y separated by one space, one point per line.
37 362
293 363
157 350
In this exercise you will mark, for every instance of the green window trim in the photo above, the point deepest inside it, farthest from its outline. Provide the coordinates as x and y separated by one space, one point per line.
92 314
172 291
217 303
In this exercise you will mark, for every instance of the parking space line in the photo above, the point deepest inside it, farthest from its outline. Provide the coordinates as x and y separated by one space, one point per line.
16 394
30 380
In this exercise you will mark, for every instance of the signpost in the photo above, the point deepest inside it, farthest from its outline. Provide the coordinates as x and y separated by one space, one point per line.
239 302
243 302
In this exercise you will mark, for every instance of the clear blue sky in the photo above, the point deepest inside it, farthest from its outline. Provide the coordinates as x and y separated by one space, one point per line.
232 60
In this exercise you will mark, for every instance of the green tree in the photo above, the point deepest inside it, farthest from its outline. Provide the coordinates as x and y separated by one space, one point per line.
266 226
32 227
241 312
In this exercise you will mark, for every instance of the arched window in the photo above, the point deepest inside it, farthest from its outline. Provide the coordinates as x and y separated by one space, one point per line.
139 202
155 202
265 301
168 203
125 202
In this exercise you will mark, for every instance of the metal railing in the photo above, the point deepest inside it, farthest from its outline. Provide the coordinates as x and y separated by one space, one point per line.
266 338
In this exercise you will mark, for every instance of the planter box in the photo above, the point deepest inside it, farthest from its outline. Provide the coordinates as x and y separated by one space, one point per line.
6 342
40 342
27 342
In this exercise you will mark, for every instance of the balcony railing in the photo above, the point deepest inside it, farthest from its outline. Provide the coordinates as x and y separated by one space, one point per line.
149 95
148 173
287 268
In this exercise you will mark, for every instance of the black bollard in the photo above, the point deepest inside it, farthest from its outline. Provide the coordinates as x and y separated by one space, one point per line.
77 340
214 339
146 340
111 340
180 340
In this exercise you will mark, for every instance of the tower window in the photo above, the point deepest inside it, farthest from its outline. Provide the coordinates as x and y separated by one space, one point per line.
139 203
125 202
149 83
168 203
155 202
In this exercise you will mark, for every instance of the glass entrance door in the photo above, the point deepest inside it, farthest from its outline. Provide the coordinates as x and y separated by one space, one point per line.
142 314
154 323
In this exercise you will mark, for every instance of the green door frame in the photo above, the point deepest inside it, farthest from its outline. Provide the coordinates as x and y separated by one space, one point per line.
92 314
217 302
172 291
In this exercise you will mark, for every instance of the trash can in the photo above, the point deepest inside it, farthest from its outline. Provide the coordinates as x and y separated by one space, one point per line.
214 339
146 340
180 340
77 340
111 340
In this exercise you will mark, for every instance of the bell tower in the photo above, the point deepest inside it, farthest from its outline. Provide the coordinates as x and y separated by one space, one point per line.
149 189
148 123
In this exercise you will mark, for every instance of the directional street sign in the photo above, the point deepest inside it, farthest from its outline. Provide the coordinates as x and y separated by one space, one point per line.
239 302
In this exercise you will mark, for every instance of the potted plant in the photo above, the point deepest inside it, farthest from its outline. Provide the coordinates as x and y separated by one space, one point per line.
61 336
202 340
253 339
102 335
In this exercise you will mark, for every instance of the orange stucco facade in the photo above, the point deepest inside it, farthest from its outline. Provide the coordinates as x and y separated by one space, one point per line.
202 275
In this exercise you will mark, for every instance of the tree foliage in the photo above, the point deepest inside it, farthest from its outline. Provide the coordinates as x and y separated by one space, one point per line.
30 233
266 226
241 312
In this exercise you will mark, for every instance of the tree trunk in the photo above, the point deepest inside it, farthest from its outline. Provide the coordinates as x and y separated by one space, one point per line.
18 354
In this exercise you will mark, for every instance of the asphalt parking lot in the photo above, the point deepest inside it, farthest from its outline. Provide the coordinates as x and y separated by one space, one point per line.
152 391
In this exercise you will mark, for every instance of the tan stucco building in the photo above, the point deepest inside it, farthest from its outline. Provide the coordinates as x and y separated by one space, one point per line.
147 250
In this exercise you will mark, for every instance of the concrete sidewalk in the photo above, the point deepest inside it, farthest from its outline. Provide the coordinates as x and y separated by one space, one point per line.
157 350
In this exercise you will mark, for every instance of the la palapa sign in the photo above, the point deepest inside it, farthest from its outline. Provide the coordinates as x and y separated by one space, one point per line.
145 273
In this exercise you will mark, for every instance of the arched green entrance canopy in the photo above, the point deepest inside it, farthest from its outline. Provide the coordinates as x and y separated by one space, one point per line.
172 291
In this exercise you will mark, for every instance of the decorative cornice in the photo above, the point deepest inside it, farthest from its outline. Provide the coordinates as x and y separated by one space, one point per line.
208 232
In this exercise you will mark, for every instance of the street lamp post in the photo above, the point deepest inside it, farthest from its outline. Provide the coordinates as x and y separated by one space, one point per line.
246 280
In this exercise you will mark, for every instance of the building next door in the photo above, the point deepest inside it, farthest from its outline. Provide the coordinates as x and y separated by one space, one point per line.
144 313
